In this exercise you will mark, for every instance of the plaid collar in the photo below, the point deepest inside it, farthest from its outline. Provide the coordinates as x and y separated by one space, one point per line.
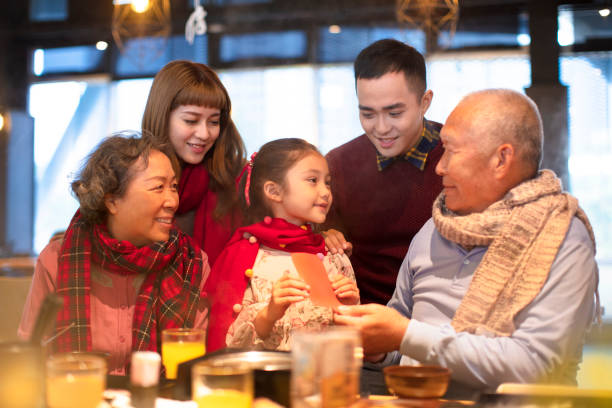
417 155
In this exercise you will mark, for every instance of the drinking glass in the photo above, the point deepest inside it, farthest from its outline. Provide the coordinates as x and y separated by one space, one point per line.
326 366
75 380
227 386
179 345
22 381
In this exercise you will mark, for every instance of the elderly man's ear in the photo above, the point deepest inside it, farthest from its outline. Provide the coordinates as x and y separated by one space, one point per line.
504 160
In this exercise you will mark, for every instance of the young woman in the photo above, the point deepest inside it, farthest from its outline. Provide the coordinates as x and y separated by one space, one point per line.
125 272
189 107
255 288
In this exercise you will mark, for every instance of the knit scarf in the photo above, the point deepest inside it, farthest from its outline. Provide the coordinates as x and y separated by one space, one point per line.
523 232
229 278
194 193
168 296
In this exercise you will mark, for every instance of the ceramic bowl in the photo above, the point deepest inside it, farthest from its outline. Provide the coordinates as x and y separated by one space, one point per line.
417 381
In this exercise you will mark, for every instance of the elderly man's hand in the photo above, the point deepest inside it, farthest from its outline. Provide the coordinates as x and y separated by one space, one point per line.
336 243
382 328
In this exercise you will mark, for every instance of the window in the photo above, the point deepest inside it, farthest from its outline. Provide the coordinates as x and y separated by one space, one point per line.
48 10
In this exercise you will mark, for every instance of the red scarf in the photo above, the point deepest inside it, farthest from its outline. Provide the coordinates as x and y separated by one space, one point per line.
168 296
210 234
227 281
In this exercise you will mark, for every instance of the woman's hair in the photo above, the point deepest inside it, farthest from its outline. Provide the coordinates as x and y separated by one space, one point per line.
109 170
188 83
271 163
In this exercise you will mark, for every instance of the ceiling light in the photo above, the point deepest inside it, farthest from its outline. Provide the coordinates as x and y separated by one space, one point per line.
335 29
101 45
430 16
141 36
140 6
604 12
39 62
523 39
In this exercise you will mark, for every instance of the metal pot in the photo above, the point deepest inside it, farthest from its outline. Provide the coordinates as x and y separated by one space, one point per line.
271 372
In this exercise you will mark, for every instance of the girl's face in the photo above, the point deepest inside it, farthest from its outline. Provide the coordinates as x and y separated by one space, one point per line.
306 195
193 131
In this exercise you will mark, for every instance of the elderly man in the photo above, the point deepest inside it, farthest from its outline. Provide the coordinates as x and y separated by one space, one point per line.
500 284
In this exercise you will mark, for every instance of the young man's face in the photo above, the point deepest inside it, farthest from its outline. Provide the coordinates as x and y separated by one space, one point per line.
391 113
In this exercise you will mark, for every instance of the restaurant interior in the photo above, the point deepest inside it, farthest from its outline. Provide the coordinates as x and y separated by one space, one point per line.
73 72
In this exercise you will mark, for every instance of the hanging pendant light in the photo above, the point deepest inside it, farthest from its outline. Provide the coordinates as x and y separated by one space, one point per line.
430 16
141 28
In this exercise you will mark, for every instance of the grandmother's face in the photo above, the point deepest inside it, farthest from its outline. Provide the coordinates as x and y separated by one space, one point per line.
144 214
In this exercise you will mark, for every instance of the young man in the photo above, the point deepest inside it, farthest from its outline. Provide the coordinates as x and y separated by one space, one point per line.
383 182
500 285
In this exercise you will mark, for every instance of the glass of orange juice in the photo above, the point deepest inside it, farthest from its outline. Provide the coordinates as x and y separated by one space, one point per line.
179 345
75 380
227 386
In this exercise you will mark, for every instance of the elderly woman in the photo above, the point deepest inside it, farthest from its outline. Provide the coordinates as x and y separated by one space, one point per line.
125 272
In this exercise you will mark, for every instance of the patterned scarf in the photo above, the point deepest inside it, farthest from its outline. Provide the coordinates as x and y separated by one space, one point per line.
168 296
523 232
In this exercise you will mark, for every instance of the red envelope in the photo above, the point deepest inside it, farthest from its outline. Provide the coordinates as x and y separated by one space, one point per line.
311 269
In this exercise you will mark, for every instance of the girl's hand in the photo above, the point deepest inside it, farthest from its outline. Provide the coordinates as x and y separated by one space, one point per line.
345 289
286 290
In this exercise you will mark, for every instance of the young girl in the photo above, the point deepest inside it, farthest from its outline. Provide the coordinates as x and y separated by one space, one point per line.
189 107
256 293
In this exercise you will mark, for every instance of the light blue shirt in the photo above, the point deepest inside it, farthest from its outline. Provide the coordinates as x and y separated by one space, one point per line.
547 343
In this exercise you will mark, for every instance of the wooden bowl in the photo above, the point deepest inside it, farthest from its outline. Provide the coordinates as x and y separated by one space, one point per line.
417 381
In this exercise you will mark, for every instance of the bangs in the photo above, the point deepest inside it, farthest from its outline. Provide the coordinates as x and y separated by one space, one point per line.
200 94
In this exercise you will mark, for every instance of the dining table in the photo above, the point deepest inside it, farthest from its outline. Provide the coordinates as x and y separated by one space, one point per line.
523 397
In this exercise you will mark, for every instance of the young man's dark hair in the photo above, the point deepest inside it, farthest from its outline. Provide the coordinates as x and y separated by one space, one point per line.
390 55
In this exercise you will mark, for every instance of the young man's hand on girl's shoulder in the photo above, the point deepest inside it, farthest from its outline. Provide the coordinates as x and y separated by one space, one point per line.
336 243
345 289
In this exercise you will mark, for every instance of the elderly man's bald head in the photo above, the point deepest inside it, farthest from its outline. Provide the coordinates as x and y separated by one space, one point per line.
492 142
506 116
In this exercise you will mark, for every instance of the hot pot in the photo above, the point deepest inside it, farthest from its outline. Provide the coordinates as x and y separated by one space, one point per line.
271 372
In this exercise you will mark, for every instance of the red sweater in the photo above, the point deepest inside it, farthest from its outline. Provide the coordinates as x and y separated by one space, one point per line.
379 211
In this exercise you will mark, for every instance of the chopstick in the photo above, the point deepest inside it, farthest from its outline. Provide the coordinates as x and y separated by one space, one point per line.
56 335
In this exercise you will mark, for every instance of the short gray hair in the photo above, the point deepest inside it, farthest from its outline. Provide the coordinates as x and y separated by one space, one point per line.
511 117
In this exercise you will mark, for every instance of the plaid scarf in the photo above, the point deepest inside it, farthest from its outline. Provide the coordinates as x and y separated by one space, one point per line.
417 155
523 231
168 296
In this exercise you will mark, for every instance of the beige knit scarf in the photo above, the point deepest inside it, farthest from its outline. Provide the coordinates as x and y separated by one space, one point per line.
523 231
